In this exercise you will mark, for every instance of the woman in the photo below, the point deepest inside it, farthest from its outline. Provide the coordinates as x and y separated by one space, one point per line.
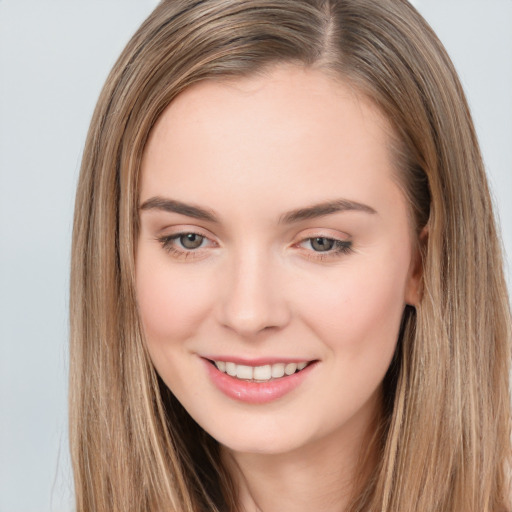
286 289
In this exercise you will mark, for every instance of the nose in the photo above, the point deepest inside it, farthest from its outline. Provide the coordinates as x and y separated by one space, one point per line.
253 299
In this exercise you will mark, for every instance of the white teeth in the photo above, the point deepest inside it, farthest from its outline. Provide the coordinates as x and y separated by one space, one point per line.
290 368
231 369
262 372
259 373
243 372
277 370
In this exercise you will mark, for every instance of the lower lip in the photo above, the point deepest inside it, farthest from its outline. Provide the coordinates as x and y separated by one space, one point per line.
256 392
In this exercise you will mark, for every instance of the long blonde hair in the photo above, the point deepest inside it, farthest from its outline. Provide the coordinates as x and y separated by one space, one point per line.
444 440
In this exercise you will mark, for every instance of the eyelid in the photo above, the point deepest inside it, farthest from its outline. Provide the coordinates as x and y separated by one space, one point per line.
180 229
169 235
342 244
322 233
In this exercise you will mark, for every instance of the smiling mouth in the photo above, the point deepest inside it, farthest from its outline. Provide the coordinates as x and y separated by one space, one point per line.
264 373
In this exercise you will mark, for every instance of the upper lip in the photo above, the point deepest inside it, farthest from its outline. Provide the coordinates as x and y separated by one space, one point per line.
259 361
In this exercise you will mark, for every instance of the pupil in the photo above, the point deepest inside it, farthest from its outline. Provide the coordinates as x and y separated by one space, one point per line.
191 240
322 244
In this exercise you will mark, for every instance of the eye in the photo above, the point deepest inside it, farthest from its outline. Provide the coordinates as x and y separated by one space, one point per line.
322 246
190 240
185 244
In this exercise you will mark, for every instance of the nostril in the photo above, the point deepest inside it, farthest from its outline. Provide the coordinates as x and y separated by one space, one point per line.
251 300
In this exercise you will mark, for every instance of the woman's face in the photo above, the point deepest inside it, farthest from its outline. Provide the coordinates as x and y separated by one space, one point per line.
273 235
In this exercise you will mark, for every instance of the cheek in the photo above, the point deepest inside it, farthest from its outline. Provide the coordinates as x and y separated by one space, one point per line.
171 304
359 312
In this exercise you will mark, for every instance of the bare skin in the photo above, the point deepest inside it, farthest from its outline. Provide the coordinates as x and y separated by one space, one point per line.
312 478
273 228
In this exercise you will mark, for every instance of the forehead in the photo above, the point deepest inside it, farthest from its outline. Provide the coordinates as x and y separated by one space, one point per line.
295 90
291 133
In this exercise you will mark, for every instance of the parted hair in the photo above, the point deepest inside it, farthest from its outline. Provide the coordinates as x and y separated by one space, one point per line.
443 441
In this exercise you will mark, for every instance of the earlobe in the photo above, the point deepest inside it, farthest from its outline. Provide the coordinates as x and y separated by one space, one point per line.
414 287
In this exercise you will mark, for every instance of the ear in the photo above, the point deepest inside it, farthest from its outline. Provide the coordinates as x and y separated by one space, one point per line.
414 285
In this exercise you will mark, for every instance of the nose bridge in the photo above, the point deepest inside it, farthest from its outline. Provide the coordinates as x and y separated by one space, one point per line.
253 300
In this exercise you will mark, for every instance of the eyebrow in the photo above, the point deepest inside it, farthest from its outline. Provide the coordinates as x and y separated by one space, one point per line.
327 208
300 214
173 206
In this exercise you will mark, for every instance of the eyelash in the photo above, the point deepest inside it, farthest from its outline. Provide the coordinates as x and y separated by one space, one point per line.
339 248
167 243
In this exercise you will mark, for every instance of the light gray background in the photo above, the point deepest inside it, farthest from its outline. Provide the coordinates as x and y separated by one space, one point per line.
54 57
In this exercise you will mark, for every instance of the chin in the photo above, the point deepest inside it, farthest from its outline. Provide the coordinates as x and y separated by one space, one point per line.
264 435
277 444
